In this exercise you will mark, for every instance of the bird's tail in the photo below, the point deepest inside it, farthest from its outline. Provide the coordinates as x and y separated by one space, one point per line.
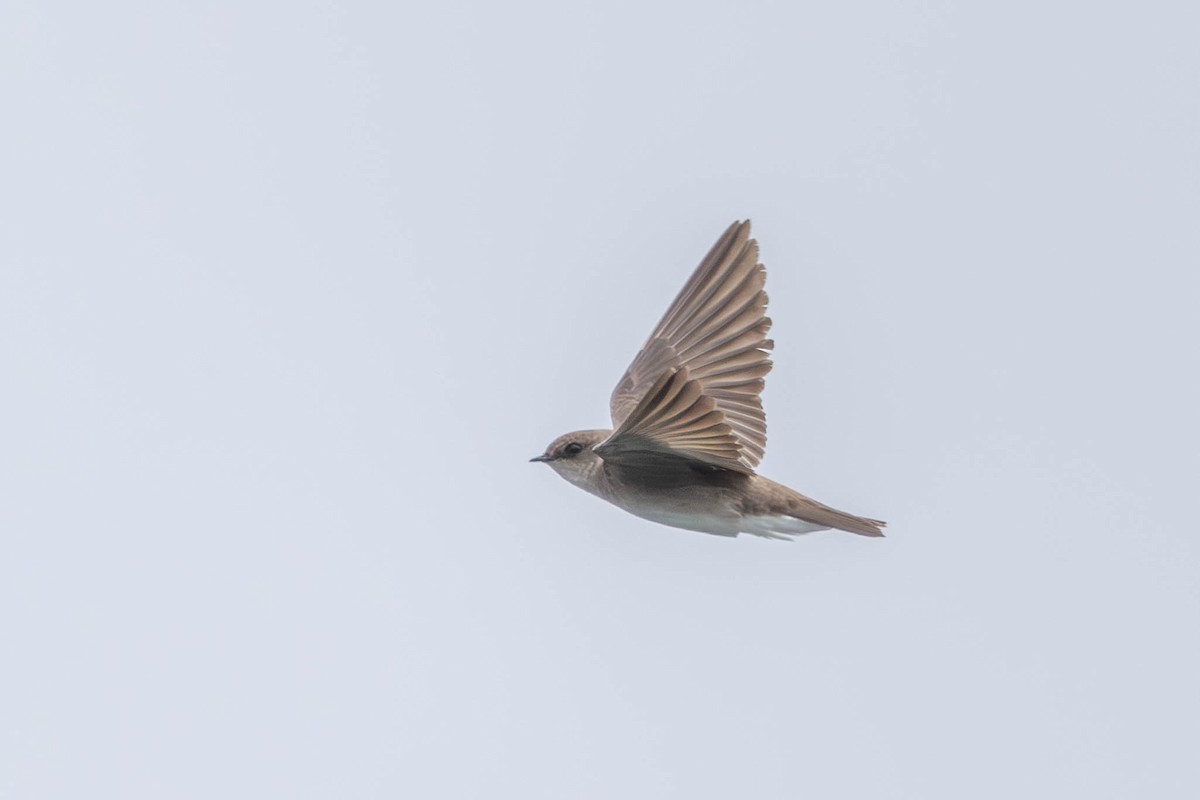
824 515
820 515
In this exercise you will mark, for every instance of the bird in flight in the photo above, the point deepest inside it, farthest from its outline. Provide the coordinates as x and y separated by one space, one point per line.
689 426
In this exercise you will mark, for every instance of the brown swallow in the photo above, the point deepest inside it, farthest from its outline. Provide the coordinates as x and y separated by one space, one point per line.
689 426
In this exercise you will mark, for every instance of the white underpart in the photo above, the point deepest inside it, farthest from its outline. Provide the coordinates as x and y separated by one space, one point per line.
777 526
769 527
705 523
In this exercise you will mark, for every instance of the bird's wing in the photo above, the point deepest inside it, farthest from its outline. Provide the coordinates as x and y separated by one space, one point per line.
694 389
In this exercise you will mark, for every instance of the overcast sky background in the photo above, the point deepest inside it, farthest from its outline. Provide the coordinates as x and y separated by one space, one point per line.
291 292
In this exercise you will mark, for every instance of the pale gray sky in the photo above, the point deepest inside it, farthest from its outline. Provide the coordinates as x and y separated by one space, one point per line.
291 291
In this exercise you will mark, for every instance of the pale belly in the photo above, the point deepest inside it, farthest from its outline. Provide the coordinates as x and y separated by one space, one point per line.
708 512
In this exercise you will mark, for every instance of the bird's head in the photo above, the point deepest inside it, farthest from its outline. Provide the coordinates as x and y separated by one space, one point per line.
571 454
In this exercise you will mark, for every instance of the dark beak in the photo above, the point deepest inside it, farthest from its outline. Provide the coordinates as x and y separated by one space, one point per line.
542 457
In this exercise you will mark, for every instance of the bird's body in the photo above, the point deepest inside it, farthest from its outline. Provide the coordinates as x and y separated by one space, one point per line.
689 421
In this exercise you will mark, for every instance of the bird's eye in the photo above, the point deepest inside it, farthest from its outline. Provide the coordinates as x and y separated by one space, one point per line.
573 449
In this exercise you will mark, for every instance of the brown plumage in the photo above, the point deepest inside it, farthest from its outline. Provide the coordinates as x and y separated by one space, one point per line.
688 417
715 335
